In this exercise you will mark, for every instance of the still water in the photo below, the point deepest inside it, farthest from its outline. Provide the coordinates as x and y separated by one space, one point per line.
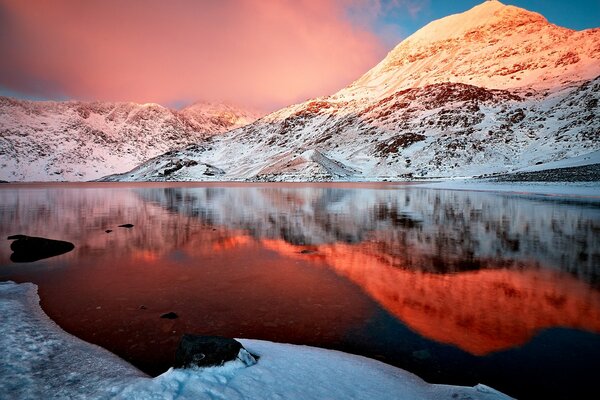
457 287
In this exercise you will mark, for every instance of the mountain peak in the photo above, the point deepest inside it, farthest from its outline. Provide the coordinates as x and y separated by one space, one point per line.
490 13
226 115
492 45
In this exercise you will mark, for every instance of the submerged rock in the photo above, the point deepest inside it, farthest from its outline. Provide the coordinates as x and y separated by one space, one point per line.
169 315
421 354
126 226
29 248
208 351
108 231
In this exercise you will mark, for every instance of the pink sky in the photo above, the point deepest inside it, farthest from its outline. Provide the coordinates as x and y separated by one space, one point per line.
258 53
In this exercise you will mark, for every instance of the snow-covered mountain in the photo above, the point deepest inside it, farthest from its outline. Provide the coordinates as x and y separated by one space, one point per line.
48 141
493 46
494 89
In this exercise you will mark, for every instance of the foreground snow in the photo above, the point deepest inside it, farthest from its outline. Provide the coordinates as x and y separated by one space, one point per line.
39 360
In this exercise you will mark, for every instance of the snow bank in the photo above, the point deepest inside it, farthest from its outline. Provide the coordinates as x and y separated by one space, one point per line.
39 360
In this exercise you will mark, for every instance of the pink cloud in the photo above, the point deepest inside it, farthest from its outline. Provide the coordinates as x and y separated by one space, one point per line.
261 53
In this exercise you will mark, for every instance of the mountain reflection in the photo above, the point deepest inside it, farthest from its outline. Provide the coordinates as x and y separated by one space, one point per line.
480 271
480 312
483 272
427 230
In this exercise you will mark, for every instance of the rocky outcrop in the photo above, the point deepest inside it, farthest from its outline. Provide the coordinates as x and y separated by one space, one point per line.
209 351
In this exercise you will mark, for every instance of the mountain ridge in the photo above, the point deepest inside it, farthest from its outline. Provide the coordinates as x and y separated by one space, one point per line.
491 90
501 92
77 140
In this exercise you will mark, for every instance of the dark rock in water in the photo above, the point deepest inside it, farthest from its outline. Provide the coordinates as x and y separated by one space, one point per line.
307 251
126 226
170 315
108 231
17 237
143 307
28 248
208 351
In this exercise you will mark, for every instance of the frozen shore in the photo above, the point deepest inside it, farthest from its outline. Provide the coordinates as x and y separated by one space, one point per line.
40 360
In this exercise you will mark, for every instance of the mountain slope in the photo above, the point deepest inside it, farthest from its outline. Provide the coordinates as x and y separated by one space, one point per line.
81 141
440 130
493 46
492 90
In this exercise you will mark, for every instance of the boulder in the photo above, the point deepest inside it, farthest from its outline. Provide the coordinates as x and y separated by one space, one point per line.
126 226
29 248
170 315
209 351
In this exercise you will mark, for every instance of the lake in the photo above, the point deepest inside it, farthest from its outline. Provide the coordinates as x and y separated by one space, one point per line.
458 287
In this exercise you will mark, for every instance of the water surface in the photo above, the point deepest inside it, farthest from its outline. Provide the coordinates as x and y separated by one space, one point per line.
458 287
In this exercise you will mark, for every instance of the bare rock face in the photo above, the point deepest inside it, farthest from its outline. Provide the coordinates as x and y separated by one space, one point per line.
210 351
30 249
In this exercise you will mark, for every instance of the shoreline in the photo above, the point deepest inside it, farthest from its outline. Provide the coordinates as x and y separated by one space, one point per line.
43 360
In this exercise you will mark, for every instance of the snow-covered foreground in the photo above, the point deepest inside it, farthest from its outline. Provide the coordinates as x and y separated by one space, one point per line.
40 360
587 190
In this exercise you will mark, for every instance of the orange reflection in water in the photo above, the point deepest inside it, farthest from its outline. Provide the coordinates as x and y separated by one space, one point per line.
231 242
220 285
480 312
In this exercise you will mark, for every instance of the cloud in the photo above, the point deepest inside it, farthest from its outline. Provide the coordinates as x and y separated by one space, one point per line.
261 53
384 17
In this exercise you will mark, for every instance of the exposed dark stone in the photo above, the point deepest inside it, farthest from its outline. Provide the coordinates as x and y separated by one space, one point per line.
584 173
170 315
17 237
143 307
206 351
400 142
28 248
108 231
126 226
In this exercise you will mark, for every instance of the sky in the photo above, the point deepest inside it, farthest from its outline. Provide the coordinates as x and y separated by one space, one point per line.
258 54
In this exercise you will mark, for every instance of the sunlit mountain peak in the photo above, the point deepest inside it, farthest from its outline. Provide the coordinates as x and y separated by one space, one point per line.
492 45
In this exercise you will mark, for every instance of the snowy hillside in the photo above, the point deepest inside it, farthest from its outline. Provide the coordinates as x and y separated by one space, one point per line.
441 130
492 90
50 141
